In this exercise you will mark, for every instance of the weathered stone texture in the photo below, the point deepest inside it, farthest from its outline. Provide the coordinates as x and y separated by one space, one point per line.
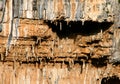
59 41
70 10
56 74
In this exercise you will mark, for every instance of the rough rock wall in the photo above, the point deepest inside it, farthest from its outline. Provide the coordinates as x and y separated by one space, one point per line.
46 47
62 38
57 73
69 10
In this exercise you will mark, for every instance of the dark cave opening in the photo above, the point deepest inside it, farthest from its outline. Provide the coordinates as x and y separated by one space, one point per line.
73 28
100 62
111 80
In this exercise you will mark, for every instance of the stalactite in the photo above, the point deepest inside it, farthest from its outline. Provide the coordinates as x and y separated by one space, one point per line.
71 63
83 22
45 17
33 50
101 34
11 30
60 26
86 72
2 57
83 67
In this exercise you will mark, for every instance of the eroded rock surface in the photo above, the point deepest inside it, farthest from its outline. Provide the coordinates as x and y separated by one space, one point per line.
59 41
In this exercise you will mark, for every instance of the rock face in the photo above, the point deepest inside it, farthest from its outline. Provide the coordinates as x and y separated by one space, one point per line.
59 41
69 10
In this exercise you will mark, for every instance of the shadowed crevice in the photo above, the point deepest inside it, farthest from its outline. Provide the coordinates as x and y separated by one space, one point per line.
73 28
100 62
111 80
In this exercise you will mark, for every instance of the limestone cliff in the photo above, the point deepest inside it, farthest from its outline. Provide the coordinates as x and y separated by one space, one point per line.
59 41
